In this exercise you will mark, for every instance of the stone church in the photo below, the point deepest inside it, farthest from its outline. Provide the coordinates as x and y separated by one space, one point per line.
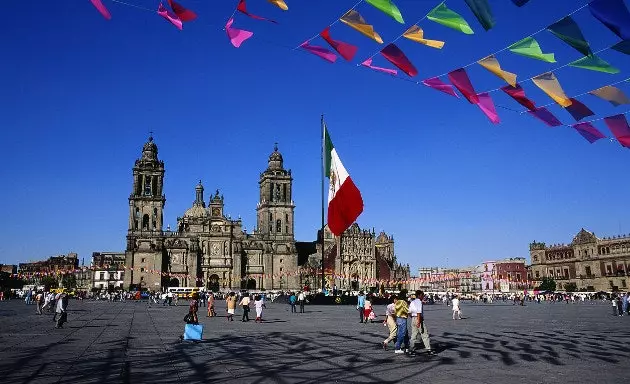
214 251
207 248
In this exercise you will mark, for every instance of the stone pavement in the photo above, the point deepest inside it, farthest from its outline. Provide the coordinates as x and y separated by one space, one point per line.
133 343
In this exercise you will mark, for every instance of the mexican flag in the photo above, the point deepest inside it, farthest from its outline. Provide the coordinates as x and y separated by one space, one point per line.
344 199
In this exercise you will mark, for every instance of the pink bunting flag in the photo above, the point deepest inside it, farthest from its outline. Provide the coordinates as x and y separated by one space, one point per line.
237 36
368 63
487 107
395 56
347 51
459 78
578 110
588 131
98 4
242 7
545 116
518 94
319 51
170 17
441 86
181 12
619 127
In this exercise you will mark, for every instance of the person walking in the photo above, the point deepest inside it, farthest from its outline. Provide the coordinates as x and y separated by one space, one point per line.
624 304
301 299
456 310
401 311
292 300
361 305
368 313
614 306
62 310
259 304
211 311
39 300
390 322
424 332
231 306
245 304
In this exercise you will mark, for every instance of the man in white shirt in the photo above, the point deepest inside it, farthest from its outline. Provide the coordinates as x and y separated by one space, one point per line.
416 325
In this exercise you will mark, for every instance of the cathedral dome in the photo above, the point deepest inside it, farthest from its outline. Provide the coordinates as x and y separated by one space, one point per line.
275 159
196 211
149 150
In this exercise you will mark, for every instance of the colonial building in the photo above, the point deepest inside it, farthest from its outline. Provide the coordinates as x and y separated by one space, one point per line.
207 248
108 270
54 265
591 263
359 258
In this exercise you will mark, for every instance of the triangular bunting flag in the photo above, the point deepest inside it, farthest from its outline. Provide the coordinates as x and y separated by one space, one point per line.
492 64
483 13
545 116
529 47
578 110
242 8
182 13
170 17
442 15
389 8
347 51
594 63
520 3
354 20
319 51
588 131
487 107
518 94
237 36
441 86
368 63
459 78
568 31
395 56
622 46
549 84
613 14
618 125
98 4
280 4
416 34
612 94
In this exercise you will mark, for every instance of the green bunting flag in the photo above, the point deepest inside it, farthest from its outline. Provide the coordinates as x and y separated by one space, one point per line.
483 13
529 47
389 8
442 15
594 63
568 31
622 46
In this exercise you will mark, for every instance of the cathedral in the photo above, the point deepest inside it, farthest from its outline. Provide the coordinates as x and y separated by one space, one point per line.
214 251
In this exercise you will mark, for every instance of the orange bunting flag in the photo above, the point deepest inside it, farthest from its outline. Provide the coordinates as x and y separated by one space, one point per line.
416 34
492 64
280 4
549 84
611 94
355 21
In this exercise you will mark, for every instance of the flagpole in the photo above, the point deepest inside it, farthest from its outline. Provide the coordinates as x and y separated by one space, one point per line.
323 177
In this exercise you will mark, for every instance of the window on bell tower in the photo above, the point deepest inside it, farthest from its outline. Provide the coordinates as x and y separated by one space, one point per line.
278 226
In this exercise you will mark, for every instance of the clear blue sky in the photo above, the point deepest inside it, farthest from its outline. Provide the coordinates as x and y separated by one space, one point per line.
79 95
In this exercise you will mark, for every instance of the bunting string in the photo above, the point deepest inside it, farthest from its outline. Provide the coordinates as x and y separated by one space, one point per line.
330 25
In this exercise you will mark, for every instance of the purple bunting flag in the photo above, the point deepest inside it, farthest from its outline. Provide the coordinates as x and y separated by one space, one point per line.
619 127
545 116
588 131
578 110
614 15
441 86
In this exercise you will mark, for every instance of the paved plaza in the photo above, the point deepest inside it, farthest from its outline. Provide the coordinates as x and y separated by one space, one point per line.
131 342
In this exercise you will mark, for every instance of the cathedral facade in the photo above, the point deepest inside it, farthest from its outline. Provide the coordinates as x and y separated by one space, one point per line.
207 248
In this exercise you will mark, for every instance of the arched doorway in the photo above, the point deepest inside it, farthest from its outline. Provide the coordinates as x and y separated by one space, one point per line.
213 283
251 284
174 282
354 284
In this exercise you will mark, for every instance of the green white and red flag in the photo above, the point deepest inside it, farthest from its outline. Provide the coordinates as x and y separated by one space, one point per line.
345 203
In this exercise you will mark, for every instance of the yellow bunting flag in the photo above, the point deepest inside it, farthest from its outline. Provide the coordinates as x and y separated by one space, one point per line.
549 84
354 20
492 64
416 33
280 4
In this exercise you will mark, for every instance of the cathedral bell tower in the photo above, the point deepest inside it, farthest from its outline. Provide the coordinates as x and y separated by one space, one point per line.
275 207
146 202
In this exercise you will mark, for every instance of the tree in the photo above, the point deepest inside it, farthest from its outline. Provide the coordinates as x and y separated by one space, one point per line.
570 287
48 282
547 284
